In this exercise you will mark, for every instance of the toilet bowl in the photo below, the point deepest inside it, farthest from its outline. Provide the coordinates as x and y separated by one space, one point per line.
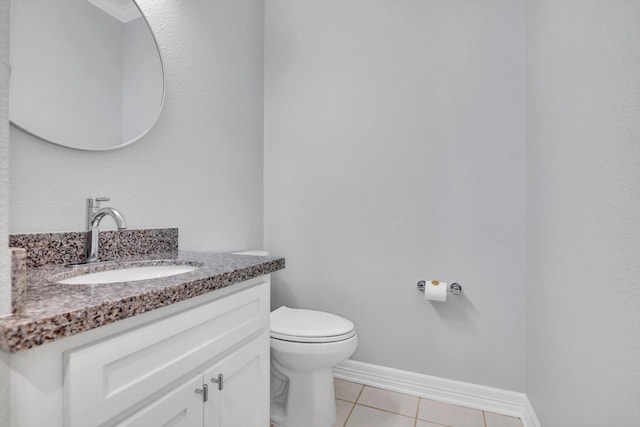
305 346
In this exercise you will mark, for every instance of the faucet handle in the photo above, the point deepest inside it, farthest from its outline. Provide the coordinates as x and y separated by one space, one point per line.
94 202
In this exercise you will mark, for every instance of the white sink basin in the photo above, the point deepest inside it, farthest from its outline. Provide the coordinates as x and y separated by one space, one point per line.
128 274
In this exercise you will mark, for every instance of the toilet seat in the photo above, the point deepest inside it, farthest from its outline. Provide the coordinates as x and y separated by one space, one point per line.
309 326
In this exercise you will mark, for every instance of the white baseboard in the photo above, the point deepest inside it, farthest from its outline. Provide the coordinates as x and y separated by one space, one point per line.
456 392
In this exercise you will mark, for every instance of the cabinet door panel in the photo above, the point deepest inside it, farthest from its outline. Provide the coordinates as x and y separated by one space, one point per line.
181 407
244 398
108 377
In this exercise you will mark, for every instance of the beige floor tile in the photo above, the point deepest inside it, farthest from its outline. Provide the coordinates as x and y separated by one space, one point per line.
344 409
346 390
363 416
398 403
497 420
452 415
422 423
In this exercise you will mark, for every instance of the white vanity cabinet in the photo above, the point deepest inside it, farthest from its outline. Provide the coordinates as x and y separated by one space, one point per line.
243 398
179 407
238 402
150 370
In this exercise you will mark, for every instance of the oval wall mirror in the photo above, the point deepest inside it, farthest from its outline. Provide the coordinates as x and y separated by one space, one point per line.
85 74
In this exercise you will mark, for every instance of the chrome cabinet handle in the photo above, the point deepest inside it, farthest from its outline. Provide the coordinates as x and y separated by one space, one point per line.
204 391
218 381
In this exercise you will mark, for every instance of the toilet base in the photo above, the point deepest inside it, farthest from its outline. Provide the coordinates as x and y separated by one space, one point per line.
310 399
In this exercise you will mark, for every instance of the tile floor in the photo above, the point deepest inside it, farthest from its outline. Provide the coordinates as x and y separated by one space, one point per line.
364 406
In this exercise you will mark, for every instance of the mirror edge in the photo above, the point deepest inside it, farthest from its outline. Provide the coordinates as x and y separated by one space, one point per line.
142 134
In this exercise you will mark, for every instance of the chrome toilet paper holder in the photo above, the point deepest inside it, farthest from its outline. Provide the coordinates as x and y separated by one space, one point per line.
452 288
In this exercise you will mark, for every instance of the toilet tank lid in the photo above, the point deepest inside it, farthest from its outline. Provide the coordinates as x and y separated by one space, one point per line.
308 323
254 253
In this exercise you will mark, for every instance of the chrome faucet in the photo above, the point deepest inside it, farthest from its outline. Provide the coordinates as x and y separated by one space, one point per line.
94 215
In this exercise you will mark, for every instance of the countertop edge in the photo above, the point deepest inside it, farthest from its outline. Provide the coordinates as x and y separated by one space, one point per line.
19 333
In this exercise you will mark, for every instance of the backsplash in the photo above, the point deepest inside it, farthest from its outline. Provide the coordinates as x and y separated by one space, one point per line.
69 247
18 280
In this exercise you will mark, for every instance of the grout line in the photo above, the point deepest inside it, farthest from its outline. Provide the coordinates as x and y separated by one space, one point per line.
387 410
416 419
359 393
384 410
346 420
353 404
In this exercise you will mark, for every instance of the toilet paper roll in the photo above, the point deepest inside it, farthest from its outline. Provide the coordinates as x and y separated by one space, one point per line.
435 291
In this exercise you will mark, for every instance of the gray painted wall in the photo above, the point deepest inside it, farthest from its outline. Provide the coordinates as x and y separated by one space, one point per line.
364 197
199 169
5 268
394 152
583 212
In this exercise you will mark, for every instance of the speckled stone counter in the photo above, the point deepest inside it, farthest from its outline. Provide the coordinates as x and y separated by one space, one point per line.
69 247
53 311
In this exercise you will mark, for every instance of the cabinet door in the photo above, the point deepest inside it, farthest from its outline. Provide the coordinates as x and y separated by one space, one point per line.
244 398
181 407
108 377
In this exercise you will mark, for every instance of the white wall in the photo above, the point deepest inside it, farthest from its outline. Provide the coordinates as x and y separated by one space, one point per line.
394 152
5 266
199 169
583 211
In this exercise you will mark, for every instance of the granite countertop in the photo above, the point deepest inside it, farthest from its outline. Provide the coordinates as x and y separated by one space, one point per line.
54 311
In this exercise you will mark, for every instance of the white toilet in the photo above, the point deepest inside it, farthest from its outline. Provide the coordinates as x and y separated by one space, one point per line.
305 346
